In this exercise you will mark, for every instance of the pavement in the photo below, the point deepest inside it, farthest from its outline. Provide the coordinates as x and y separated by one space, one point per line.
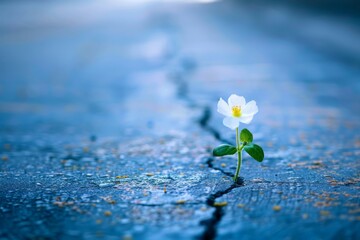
108 119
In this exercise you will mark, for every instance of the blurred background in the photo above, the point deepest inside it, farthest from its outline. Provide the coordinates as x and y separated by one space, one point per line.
91 67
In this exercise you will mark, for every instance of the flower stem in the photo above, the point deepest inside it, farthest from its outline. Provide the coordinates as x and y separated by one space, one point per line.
239 151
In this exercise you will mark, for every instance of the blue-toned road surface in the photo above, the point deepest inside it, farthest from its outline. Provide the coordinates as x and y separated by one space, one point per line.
108 118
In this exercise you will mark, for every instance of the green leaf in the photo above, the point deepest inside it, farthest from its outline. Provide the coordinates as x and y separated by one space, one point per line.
246 136
224 149
255 151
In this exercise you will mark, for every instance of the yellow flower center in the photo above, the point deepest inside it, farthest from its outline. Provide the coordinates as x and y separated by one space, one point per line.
236 111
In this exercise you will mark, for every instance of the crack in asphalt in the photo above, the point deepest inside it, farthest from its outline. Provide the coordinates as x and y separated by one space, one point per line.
209 162
210 224
203 122
182 87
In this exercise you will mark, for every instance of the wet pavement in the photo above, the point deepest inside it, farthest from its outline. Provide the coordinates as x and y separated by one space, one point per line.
108 118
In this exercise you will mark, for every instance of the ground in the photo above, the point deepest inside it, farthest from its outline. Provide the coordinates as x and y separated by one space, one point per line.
108 119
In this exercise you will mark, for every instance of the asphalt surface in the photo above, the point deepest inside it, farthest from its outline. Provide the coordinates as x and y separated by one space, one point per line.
108 118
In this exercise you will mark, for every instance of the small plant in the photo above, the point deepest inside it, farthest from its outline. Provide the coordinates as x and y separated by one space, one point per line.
237 111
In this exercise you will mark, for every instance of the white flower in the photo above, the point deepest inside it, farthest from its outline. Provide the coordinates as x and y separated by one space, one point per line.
236 110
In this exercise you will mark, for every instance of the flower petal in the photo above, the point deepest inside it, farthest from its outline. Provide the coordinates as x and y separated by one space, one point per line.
223 107
235 100
246 119
250 109
231 122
